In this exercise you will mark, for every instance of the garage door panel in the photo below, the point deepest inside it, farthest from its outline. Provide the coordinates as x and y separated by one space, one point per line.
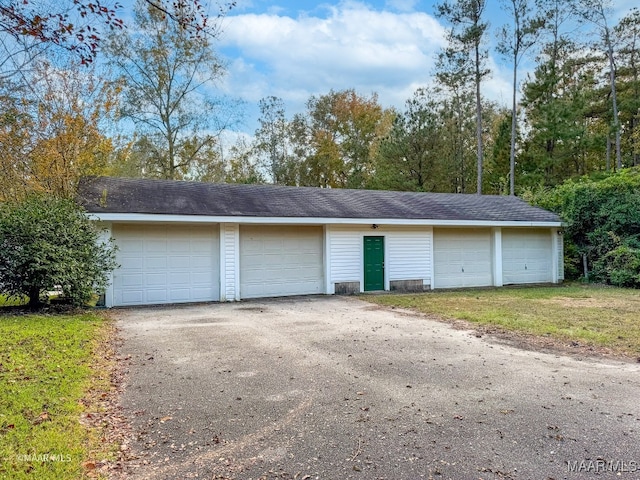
273 245
131 297
130 262
526 256
178 261
201 263
179 278
477 269
462 258
155 279
197 279
156 246
277 261
176 246
178 295
131 245
155 263
166 264
129 280
156 296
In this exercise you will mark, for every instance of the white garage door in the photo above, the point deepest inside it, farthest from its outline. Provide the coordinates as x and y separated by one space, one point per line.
166 264
526 256
462 258
277 261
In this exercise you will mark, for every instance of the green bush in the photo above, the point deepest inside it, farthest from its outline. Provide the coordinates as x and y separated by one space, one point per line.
602 219
48 243
620 267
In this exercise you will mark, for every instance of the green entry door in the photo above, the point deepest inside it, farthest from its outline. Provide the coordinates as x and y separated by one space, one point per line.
373 263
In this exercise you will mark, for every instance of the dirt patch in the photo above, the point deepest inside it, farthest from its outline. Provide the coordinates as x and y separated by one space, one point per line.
589 302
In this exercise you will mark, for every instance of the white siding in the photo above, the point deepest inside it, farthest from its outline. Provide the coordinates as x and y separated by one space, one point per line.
346 254
229 238
560 254
409 255
496 255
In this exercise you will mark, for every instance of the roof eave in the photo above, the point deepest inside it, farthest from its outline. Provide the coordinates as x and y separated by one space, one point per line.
166 218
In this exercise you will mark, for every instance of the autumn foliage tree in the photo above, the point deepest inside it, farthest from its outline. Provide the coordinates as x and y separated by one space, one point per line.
74 26
166 72
51 132
78 26
342 128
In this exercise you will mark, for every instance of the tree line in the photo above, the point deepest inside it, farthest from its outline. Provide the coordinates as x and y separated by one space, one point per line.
147 110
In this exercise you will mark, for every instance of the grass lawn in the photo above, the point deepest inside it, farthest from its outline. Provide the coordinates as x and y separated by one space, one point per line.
49 366
589 315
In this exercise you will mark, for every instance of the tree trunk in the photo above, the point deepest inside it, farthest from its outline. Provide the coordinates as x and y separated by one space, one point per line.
614 97
34 298
634 144
479 118
514 106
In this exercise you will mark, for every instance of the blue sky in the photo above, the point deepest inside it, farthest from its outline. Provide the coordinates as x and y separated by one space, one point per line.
296 48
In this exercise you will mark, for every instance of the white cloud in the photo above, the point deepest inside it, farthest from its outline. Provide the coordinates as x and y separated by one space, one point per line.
349 45
498 85
352 46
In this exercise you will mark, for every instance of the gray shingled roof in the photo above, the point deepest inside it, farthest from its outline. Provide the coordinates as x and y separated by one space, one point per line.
125 195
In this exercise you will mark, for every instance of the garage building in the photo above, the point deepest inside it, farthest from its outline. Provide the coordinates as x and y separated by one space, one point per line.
184 242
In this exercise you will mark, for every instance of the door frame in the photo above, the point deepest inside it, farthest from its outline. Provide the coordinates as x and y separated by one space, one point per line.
384 270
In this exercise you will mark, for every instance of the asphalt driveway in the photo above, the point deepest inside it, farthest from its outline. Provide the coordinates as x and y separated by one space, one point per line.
336 388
